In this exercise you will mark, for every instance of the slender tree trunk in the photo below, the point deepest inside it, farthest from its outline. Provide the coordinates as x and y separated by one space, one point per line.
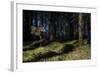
80 28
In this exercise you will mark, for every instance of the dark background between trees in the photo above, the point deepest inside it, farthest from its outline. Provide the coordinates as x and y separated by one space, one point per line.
62 26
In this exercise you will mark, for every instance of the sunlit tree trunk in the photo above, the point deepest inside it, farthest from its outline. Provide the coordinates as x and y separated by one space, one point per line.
81 22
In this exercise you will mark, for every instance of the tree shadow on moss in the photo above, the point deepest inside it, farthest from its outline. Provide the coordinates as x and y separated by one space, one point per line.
41 57
67 48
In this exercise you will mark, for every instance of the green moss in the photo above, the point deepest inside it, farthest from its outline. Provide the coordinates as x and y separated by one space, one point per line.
28 56
83 52
58 51
40 50
55 47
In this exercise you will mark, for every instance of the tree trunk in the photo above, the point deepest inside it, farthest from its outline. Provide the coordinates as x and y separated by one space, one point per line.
80 28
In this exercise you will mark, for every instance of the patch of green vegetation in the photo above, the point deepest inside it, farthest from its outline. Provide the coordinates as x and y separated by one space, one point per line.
79 53
55 47
28 56
57 51
71 42
40 51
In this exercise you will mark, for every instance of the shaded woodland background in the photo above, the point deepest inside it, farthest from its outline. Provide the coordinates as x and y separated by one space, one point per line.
42 27
56 25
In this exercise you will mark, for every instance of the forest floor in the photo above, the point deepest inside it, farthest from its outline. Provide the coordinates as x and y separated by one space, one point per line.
57 51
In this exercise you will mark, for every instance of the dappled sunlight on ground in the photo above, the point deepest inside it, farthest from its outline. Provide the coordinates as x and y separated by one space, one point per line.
57 51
